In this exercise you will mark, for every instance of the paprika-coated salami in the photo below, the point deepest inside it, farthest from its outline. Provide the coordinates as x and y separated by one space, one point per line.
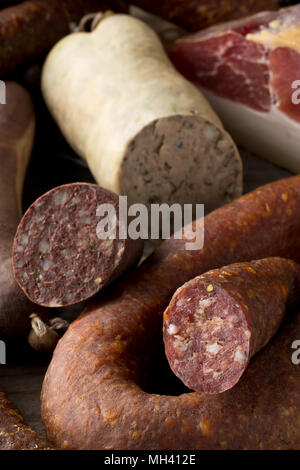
216 322
14 433
100 365
61 255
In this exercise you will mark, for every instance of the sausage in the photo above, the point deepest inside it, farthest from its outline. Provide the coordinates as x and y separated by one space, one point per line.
167 32
14 433
103 360
166 144
8 3
30 28
61 255
231 60
216 322
260 412
17 124
197 14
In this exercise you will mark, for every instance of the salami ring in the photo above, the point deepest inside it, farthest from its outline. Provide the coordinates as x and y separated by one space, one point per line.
216 322
59 256
100 364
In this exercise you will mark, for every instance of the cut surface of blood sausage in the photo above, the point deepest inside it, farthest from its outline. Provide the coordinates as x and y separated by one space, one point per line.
217 321
59 256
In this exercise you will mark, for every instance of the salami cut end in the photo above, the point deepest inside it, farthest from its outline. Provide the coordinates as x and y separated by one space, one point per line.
208 338
59 256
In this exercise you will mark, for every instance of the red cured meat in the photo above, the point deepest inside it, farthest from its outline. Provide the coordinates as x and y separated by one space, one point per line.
285 67
222 60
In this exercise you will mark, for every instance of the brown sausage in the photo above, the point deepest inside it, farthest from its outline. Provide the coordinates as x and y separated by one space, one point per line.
216 322
31 28
17 124
100 364
198 14
61 255
14 433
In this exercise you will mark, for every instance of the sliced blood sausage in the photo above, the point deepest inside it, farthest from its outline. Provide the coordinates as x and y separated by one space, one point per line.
14 433
59 255
217 321
102 360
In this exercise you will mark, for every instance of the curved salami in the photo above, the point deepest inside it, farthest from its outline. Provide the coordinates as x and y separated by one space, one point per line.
216 322
102 360
60 258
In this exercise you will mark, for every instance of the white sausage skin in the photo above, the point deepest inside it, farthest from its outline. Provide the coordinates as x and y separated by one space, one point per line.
123 107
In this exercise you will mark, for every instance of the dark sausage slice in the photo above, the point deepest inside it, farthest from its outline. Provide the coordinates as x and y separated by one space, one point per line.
59 258
217 321
14 433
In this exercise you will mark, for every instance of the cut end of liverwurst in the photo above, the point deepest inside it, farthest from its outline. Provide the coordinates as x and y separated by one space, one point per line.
181 159
207 339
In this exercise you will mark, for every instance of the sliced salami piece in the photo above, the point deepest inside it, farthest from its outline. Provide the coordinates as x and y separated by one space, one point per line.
61 255
217 321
